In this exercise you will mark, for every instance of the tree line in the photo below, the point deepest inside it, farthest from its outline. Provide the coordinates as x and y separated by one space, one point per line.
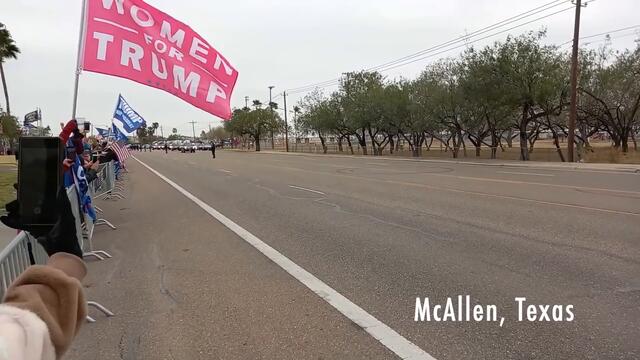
513 89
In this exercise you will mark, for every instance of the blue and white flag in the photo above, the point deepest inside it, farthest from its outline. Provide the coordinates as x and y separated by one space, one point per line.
125 118
78 178
103 132
117 134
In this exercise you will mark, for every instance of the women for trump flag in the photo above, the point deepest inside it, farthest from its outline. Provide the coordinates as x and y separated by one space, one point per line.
133 40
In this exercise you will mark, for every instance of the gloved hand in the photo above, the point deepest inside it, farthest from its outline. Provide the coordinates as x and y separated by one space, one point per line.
61 237
14 221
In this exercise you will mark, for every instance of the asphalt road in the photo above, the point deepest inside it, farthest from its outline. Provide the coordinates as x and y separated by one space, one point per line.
379 232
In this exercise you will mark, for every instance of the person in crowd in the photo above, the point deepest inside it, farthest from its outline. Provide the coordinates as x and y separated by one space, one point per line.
107 154
213 149
43 309
166 148
90 167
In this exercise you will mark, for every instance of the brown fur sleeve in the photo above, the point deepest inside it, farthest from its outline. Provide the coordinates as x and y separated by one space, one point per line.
54 293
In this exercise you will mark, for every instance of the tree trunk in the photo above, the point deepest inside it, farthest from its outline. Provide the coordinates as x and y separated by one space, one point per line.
340 144
398 143
456 146
350 145
273 143
362 140
494 144
4 87
392 144
464 145
556 141
509 138
625 143
524 149
615 138
373 143
324 144
257 141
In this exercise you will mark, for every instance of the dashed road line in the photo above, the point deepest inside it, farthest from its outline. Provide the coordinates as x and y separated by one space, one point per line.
388 337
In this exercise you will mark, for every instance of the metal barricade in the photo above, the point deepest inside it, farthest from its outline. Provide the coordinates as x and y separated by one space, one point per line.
14 259
112 189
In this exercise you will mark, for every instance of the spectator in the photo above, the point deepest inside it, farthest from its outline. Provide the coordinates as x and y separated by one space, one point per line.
44 307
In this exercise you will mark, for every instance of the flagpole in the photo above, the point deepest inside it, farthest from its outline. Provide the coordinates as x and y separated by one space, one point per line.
81 38
114 112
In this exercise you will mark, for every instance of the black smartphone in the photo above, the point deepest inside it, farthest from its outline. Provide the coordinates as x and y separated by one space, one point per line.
94 157
40 175
70 153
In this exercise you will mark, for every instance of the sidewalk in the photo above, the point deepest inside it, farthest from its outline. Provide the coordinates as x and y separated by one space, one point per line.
629 168
183 286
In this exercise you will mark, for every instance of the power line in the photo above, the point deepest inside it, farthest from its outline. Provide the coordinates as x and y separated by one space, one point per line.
482 38
413 60
484 30
603 33
465 38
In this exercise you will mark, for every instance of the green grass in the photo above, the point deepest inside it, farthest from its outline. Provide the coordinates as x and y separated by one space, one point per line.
8 177
8 159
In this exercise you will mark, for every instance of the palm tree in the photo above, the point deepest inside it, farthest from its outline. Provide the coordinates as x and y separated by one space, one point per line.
155 127
296 112
257 104
8 50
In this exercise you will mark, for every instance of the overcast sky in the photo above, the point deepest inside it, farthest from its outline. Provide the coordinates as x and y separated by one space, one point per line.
284 43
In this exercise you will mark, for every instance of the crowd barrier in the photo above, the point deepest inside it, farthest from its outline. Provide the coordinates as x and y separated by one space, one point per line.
16 256
14 259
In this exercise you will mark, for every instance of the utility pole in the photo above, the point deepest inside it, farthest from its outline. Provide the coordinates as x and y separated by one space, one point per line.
246 102
573 109
273 145
295 129
193 126
286 123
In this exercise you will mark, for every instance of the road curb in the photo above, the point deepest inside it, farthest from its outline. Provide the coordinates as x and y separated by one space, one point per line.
621 168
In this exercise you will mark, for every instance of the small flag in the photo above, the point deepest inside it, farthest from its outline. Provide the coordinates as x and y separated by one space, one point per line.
117 134
121 151
125 118
103 133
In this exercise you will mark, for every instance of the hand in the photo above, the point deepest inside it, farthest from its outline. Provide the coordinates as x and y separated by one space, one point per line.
63 236
95 165
14 221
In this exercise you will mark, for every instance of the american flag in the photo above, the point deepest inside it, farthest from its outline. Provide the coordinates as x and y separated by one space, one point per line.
122 151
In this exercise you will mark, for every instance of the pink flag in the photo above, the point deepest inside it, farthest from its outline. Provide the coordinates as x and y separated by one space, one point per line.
133 40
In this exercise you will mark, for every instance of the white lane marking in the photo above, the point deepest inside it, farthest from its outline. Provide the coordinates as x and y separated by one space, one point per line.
523 173
440 188
377 164
225 171
388 337
305 189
